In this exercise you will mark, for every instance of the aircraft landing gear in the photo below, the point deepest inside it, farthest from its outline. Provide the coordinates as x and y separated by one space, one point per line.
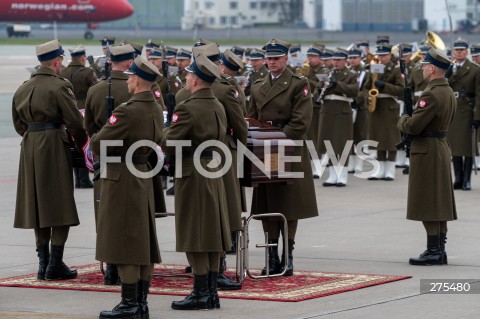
88 35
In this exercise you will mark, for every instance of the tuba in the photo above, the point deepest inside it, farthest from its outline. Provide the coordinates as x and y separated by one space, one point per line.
304 69
373 93
433 40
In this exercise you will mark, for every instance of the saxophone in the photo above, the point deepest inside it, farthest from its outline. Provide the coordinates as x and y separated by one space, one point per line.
373 93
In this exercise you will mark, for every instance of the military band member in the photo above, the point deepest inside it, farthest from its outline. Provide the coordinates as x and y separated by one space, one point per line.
327 59
41 108
259 69
336 121
126 231
82 78
416 80
367 56
202 231
430 192
284 98
475 53
382 122
360 126
465 82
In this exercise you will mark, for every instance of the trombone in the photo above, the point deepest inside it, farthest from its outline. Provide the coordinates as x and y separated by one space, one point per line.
242 264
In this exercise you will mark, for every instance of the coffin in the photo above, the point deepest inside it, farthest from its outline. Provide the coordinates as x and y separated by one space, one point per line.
263 141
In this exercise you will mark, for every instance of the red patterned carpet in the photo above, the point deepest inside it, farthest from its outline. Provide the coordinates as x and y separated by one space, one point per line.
302 286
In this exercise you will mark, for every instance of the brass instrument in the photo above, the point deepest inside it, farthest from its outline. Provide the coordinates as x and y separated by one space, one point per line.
432 40
304 70
373 93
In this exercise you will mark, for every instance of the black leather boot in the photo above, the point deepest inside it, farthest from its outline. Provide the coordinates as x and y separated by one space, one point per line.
198 299
289 271
443 241
76 177
224 282
111 275
43 257
467 173
458 171
142 294
233 249
274 266
212 287
128 307
431 256
56 267
84 178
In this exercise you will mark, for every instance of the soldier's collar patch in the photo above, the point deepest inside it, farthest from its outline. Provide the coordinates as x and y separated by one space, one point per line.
305 91
157 94
175 118
112 120
422 103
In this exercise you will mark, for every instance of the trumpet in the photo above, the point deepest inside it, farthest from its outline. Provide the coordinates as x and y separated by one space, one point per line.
373 93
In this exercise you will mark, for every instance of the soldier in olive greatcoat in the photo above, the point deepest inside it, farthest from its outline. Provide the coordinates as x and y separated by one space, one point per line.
284 98
465 82
430 192
201 216
42 107
126 231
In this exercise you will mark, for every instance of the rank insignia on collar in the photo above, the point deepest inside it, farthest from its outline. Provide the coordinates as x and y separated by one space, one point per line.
112 120
175 118
422 103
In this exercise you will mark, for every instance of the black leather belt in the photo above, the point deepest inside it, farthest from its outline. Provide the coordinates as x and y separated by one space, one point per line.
204 154
463 94
436 134
36 127
137 159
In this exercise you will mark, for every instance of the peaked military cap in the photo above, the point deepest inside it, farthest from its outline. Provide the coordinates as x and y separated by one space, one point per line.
201 42
475 50
137 47
231 60
183 54
276 48
437 58
155 54
121 53
460 44
49 50
256 54
384 48
204 68
78 51
340 54
295 48
327 54
171 52
449 52
406 48
237 50
210 50
143 69
151 45
383 39
106 41
315 50
363 43
354 52
424 49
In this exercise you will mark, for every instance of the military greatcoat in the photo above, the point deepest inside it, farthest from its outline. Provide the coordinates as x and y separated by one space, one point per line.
82 78
315 84
45 181
382 123
466 84
126 232
336 123
201 216
287 101
430 190
360 127
236 131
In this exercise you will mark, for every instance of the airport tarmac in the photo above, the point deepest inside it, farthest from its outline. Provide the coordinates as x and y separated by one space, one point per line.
361 229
